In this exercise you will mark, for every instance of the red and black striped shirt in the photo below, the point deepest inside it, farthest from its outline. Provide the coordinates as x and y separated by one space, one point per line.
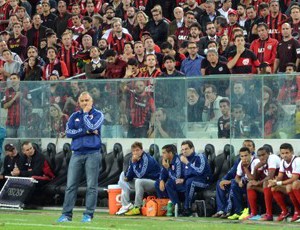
141 106
275 24
245 63
118 44
68 57
13 112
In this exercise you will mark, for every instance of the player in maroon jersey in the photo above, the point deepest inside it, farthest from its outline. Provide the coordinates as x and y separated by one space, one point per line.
264 171
287 182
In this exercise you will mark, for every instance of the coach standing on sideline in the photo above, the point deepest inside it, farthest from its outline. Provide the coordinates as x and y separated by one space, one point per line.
84 128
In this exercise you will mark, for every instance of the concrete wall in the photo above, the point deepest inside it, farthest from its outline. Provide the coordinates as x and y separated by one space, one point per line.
199 143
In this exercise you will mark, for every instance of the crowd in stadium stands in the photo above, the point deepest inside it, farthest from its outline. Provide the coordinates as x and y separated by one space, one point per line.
50 40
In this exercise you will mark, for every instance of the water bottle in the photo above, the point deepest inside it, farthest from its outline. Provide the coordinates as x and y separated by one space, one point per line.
176 210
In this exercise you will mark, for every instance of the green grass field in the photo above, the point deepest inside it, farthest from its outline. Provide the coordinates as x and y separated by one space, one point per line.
44 220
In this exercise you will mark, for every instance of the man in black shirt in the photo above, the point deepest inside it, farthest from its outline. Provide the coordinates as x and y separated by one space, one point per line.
169 63
224 120
12 160
215 66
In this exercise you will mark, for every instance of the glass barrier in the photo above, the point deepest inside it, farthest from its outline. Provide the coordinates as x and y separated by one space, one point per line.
210 107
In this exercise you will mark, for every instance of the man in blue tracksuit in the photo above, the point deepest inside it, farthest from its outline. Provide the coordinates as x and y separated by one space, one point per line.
173 169
84 127
140 177
197 173
223 200
224 193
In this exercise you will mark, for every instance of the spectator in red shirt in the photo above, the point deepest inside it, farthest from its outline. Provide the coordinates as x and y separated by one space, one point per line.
116 38
195 33
55 65
152 70
77 27
139 108
221 26
265 47
11 102
116 68
67 53
295 21
182 33
4 14
140 56
290 90
233 23
275 20
17 42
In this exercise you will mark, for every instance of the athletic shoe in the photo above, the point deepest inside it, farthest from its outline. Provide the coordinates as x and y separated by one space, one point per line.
283 216
86 218
186 213
218 214
234 217
297 221
244 214
295 217
266 217
124 209
256 217
133 212
64 218
248 217
225 215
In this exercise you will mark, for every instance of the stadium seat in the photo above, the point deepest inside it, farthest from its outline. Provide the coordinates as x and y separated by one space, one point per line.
114 166
210 154
62 159
154 152
50 153
67 152
126 162
222 164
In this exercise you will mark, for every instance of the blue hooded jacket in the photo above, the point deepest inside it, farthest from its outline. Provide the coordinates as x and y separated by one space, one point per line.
175 171
146 167
198 167
80 128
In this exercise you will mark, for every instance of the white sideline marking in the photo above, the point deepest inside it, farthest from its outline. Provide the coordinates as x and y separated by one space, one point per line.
54 226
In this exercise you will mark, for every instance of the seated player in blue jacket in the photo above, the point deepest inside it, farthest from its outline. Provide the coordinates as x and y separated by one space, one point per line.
173 169
140 177
197 173
223 188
